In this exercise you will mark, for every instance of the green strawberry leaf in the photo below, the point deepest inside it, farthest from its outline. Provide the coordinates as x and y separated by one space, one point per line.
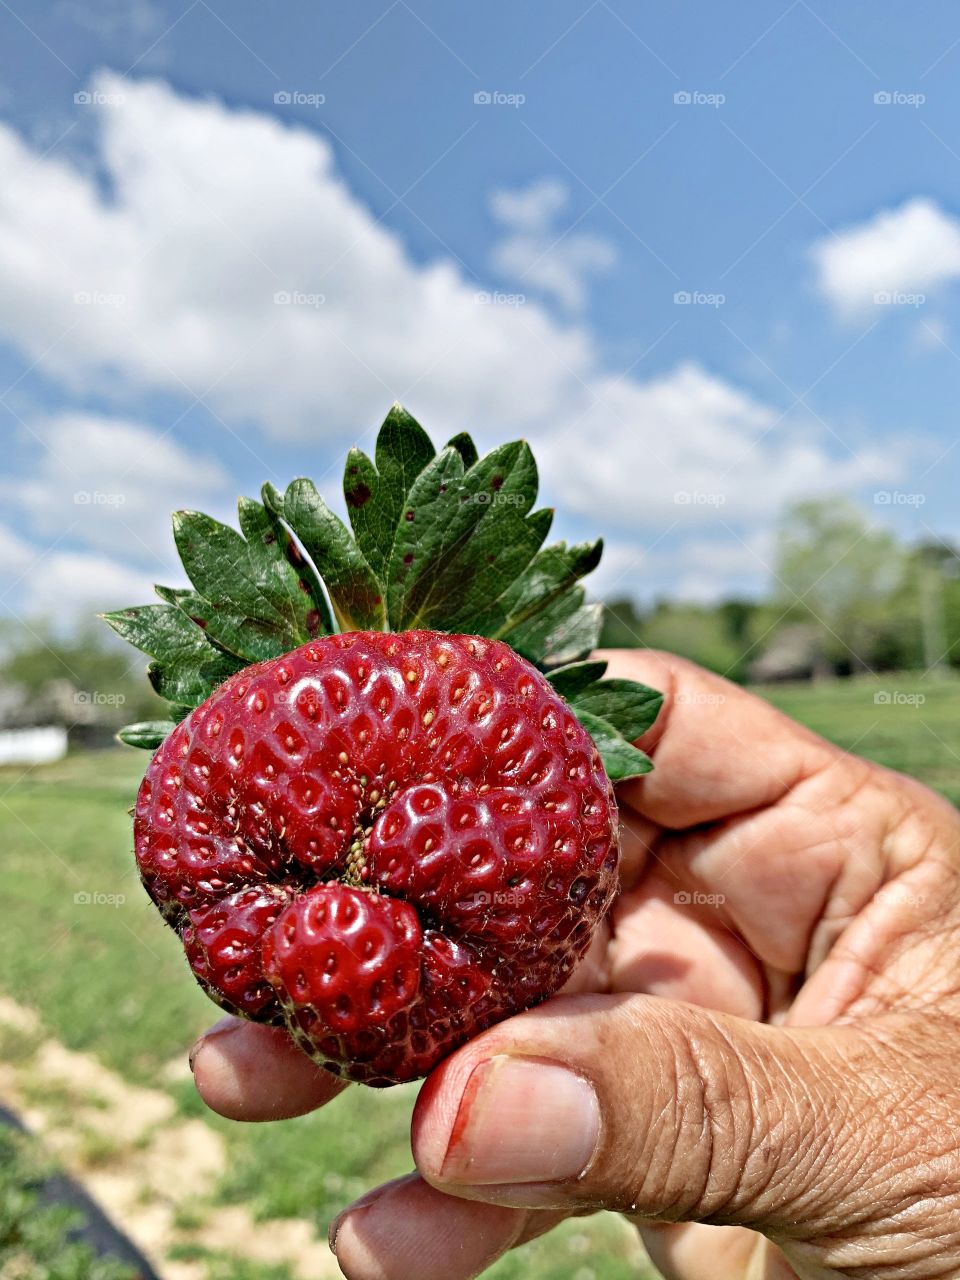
227 628
629 706
565 631
289 580
166 633
620 758
463 538
148 734
355 593
250 613
376 495
576 636
466 449
188 667
448 541
569 680
548 576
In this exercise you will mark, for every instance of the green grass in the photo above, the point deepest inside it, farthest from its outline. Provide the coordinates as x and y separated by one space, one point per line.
228 1266
66 833
35 1243
916 731
110 980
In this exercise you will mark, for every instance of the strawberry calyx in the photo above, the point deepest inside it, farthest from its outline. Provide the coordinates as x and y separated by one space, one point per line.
447 541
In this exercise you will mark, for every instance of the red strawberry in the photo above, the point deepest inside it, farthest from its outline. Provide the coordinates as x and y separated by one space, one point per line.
406 836
383 837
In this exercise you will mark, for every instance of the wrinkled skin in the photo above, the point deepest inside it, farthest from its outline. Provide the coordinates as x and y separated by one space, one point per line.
765 1044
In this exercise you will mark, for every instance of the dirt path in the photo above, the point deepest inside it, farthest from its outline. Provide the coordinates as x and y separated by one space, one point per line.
149 1169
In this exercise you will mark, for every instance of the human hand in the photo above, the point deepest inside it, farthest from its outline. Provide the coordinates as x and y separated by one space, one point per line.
756 1063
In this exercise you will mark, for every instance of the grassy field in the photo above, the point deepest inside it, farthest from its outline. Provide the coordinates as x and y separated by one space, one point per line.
904 721
35 1238
88 952
85 949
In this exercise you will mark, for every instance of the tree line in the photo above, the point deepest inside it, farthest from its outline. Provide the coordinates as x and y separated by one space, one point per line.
845 596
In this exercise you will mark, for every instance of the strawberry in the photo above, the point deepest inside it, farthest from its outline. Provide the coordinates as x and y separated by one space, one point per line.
383 837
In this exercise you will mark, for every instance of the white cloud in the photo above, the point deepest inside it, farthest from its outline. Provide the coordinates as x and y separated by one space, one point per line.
112 484
16 555
910 250
531 208
536 254
703 570
180 259
72 584
134 24
700 569
64 585
687 448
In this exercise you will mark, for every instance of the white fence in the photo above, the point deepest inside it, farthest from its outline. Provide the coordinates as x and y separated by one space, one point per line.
33 746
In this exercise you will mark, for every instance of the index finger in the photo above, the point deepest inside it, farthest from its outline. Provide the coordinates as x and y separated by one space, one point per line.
247 1071
719 750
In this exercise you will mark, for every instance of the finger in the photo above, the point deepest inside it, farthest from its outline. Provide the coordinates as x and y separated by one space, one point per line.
246 1071
690 1251
638 842
665 945
407 1228
718 749
662 1110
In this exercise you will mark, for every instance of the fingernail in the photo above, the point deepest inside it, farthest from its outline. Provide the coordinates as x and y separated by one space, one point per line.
218 1031
522 1120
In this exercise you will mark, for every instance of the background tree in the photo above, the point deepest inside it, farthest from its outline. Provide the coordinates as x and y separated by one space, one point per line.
841 573
33 656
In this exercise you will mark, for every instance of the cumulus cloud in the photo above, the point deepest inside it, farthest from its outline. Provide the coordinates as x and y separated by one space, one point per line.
687 446
537 254
64 585
262 284
77 584
700 568
258 282
912 249
113 483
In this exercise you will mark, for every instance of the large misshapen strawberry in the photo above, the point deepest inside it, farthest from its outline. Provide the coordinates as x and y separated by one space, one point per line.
384 838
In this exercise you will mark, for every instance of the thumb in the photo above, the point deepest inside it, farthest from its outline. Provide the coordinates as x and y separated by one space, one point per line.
668 1111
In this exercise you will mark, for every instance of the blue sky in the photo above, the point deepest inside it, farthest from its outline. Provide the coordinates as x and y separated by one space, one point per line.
231 235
